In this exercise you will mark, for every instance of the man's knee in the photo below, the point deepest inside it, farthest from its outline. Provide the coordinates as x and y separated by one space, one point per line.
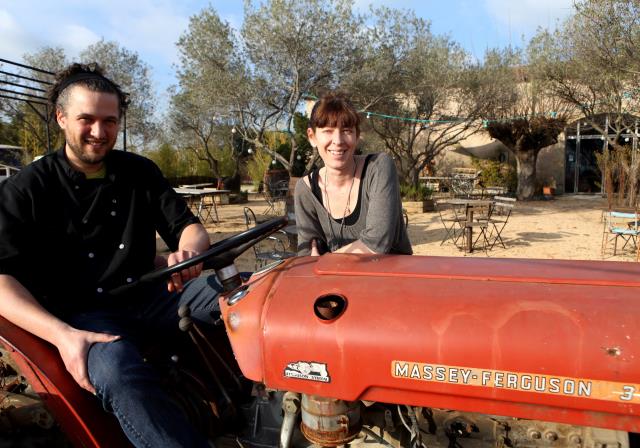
116 367
201 295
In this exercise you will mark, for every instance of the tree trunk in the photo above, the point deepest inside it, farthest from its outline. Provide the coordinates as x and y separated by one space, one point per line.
526 160
292 156
414 176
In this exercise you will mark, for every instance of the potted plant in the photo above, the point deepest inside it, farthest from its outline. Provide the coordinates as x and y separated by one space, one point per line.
417 198
549 189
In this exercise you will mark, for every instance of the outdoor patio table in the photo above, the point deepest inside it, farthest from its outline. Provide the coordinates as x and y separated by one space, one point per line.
198 196
469 204
202 185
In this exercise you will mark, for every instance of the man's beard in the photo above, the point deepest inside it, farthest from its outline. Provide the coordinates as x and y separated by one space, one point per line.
85 157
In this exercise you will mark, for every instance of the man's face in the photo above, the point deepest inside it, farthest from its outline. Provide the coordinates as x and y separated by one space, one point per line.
90 122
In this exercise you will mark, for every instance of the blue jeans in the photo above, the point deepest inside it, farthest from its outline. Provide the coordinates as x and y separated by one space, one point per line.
127 385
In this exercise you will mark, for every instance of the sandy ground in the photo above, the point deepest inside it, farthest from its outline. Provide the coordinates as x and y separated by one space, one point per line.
568 227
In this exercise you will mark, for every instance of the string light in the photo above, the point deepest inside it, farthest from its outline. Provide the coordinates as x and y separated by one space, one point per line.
233 130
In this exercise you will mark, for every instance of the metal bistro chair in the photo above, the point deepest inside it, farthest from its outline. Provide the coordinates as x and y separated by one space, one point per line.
621 225
275 194
502 210
273 248
481 222
453 219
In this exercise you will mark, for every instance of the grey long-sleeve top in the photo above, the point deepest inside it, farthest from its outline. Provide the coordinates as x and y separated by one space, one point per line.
379 225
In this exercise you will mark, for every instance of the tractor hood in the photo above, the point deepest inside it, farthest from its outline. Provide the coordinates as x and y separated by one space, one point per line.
538 339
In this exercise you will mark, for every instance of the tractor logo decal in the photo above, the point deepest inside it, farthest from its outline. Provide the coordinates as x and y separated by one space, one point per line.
520 381
308 370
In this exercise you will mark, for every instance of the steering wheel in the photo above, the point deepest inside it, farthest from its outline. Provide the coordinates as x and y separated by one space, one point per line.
219 255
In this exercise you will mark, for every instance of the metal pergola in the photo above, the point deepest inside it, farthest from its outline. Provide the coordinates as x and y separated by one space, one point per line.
630 134
26 88
19 87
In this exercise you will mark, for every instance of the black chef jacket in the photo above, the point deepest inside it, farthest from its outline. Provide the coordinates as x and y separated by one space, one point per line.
69 240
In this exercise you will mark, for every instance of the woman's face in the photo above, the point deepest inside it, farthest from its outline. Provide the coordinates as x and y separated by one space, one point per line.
335 145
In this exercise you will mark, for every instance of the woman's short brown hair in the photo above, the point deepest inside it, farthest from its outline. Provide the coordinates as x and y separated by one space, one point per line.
334 110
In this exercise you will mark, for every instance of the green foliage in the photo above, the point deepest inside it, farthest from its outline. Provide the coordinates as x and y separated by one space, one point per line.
257 166
9 133
410 192
178 163
166 159
496 174
226 161
304 152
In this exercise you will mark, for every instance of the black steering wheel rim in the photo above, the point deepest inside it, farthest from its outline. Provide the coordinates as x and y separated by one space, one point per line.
219 254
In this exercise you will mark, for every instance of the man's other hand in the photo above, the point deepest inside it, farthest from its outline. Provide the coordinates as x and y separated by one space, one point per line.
177 280
74 352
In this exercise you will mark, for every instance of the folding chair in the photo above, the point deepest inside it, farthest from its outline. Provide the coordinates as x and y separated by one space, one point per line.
498 221
206 206
453 219
505 199
619 225
275 193
273 248
481 222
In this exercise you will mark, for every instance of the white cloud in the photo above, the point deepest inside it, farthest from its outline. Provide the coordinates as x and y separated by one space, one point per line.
524 16
74 38
14 40
148 27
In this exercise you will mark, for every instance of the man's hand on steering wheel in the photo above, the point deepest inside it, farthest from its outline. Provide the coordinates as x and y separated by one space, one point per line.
178 279
219 255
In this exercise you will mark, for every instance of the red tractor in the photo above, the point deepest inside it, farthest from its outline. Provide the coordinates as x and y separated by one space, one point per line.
400 351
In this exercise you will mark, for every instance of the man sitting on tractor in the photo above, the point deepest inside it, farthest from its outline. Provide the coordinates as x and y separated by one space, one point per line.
82 221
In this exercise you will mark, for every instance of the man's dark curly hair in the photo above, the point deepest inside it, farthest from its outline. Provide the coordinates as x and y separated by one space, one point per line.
86 75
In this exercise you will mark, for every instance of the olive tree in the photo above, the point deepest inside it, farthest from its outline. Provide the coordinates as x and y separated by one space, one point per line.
418 90
213 86
126 68
592 62
523 114
253 80
123 66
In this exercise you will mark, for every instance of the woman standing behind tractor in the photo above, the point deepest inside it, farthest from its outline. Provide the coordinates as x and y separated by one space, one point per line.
352 204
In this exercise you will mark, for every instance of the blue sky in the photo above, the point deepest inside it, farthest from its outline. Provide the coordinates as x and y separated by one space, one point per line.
151 27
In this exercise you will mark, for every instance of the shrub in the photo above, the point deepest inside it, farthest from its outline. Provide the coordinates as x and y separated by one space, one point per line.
496 174
257 166
410 192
